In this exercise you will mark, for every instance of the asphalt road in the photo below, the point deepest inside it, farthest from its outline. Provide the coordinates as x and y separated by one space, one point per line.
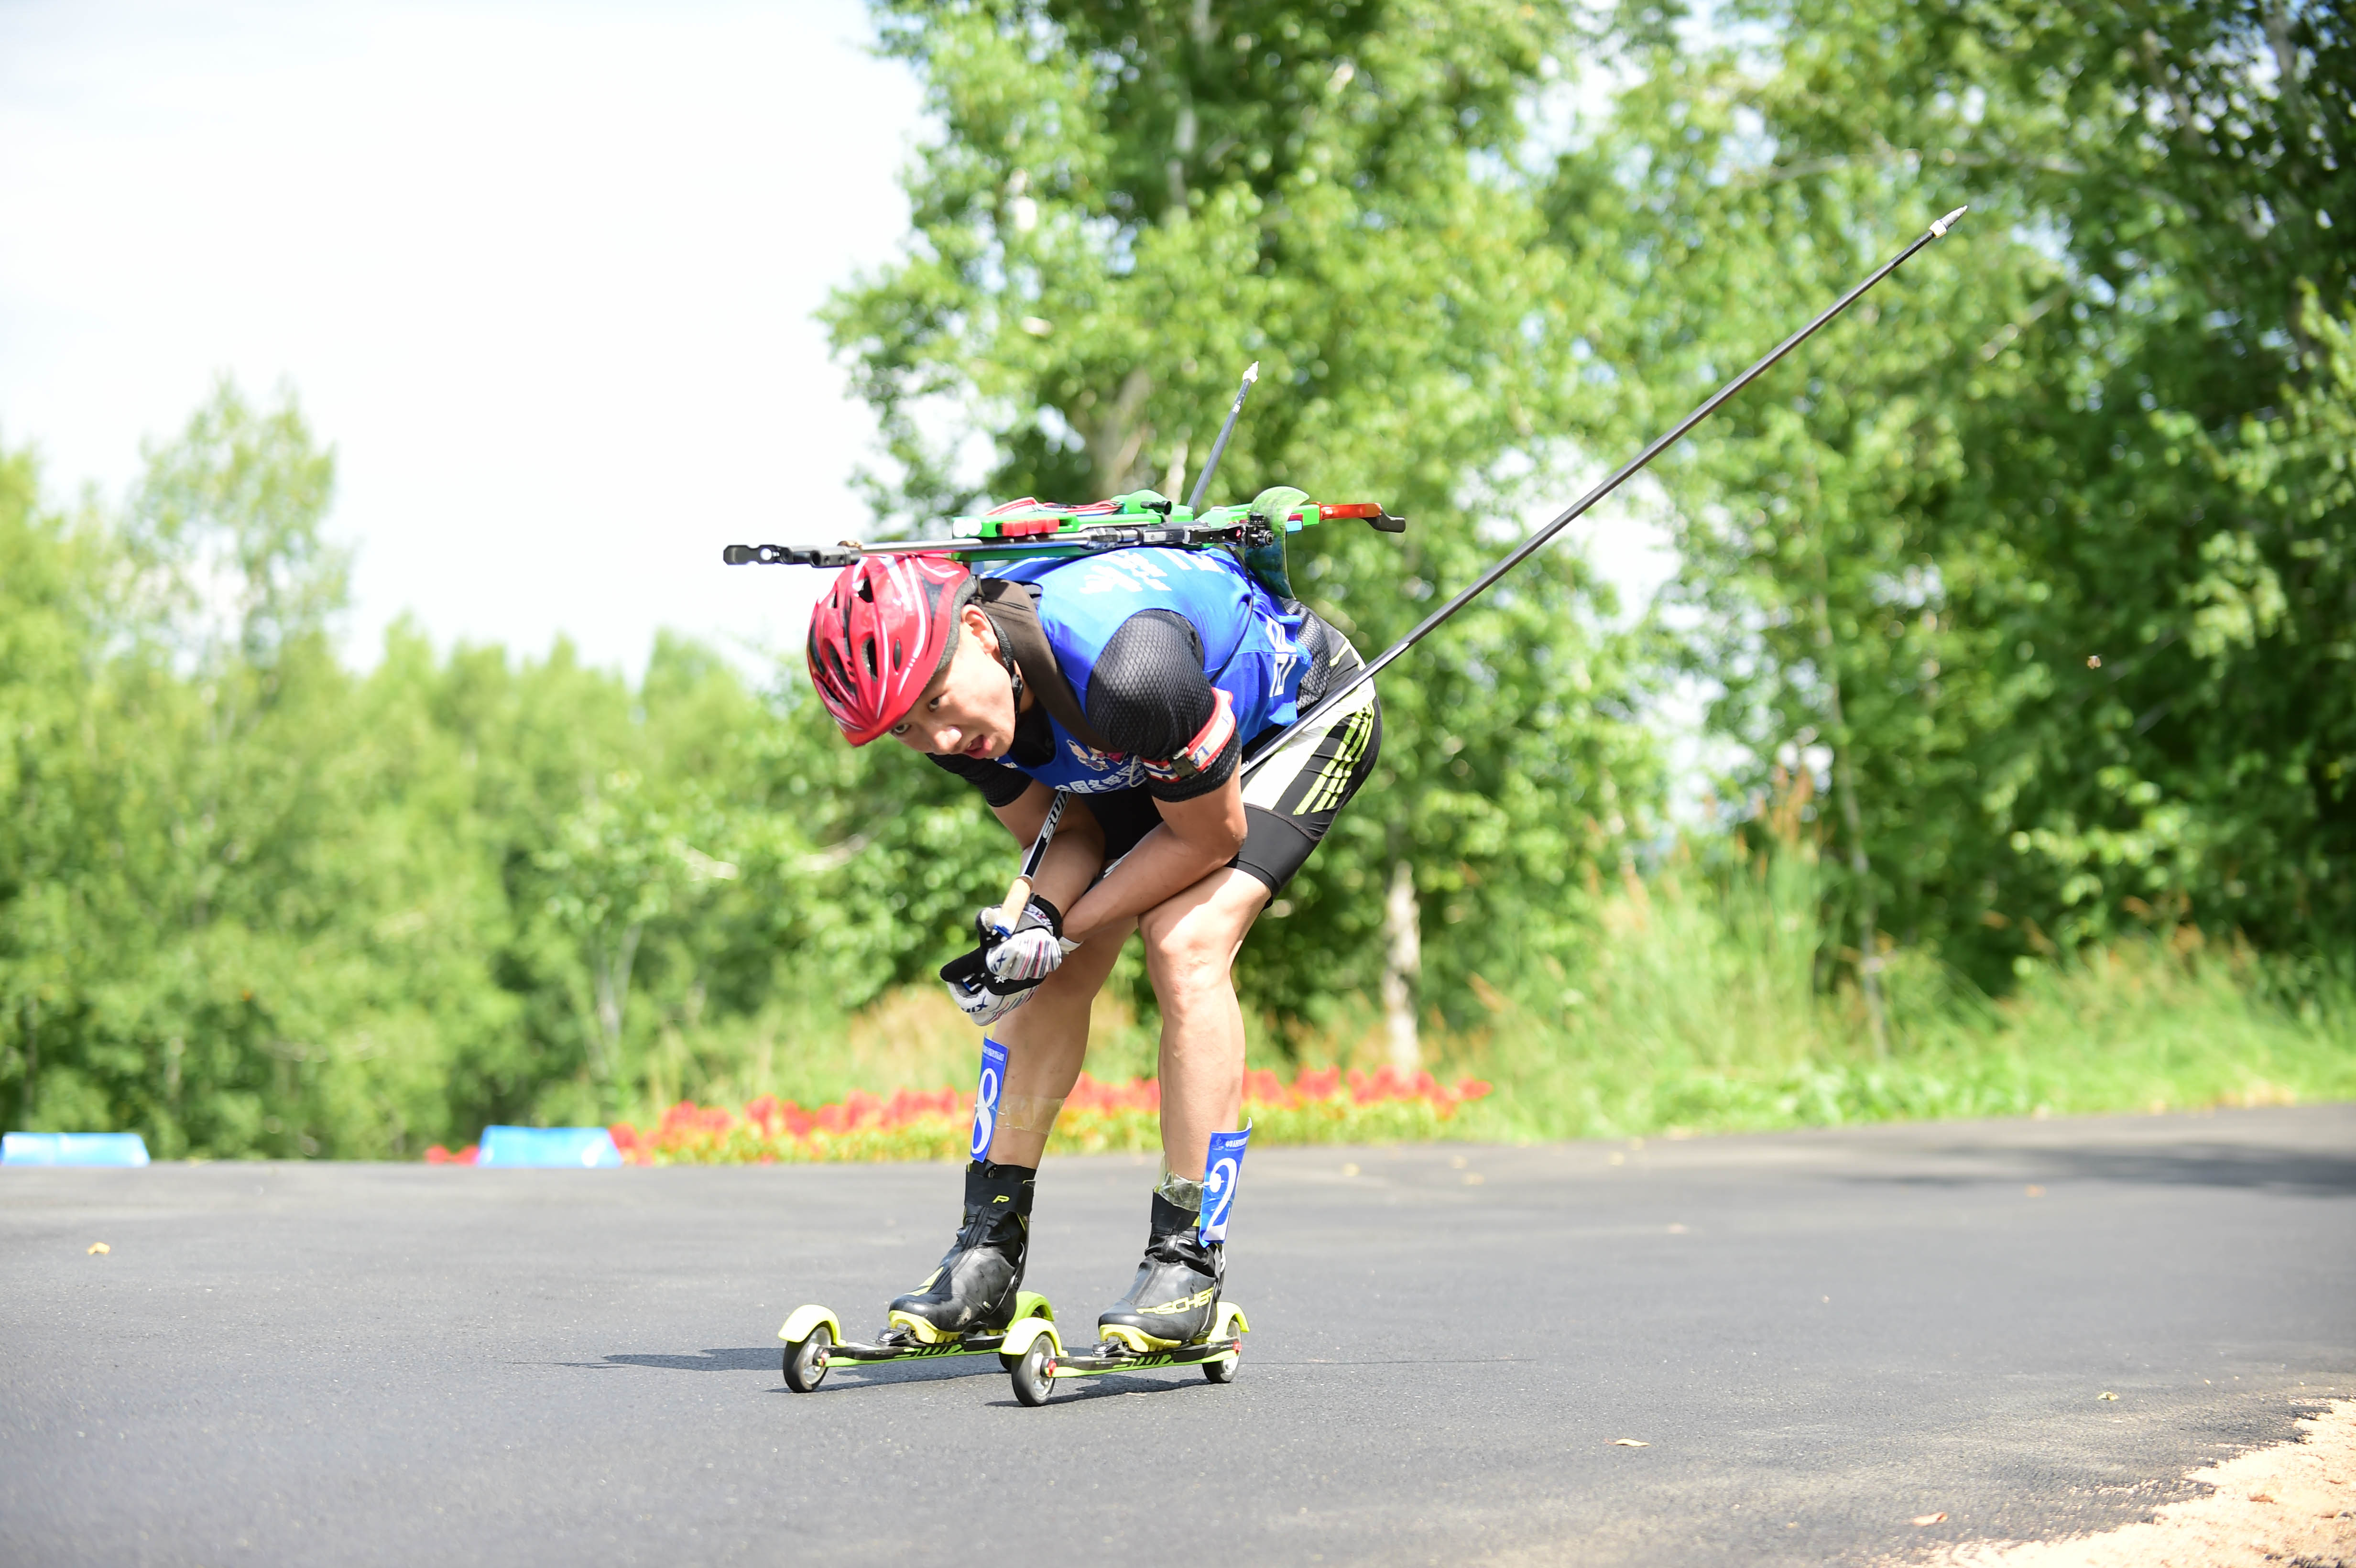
1819 1337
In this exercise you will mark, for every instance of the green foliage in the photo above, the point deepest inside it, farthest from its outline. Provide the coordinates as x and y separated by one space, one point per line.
252 903
1697 1010
2031 545
222 538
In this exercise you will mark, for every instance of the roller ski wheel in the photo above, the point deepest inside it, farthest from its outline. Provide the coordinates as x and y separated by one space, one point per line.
815 1345
1035 1360
1224 1368
806 1359
1035 1373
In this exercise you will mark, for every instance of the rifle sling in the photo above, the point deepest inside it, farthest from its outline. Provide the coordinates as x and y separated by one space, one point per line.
1012 608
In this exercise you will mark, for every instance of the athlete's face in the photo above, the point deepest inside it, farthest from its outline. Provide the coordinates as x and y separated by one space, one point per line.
969 707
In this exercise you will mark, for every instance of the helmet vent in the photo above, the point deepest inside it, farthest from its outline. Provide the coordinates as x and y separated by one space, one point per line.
867 655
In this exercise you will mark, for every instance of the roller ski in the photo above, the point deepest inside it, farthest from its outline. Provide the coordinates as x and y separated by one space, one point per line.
1175 1314
966 1307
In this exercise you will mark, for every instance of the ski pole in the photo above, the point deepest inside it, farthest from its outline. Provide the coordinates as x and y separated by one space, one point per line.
1538 541
1018 891
1219 447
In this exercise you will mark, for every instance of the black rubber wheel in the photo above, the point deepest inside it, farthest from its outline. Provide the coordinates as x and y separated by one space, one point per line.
1223 1371
1034 1374
806 1359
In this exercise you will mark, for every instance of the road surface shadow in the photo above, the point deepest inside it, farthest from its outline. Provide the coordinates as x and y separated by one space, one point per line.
755 1358
1110 1385
766 1358
2232 1166
874 1374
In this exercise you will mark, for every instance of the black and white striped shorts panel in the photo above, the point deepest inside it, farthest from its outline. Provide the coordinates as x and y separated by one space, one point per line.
1291 801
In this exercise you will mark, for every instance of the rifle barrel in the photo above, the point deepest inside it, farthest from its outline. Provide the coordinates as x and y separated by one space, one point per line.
1219 447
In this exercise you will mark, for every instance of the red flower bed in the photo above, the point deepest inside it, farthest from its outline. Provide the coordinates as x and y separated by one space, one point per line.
1316 1108
1322 1106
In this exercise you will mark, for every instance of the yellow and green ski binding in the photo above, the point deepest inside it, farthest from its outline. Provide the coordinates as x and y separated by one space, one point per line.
1034 1354
814 1341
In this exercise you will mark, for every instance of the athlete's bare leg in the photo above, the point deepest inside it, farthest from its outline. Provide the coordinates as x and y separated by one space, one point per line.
1046 1041
1190 942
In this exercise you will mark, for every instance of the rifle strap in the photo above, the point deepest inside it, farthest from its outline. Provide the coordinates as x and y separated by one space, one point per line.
1013 609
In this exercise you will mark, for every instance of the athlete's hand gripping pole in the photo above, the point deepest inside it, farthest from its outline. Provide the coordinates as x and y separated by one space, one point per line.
1018 891
1020 939
1333 698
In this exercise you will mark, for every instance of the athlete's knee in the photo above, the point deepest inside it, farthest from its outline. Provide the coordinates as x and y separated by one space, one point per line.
1187 955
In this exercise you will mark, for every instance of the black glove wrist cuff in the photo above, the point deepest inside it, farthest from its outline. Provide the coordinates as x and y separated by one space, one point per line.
1038 909
972 971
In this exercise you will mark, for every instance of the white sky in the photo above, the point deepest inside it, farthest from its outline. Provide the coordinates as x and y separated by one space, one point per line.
543 273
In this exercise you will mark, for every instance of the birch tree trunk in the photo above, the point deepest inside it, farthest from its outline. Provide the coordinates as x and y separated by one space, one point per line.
1401 964
1116 434
613 981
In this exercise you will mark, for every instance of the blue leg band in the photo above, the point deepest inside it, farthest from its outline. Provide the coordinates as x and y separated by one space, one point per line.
986 1095
1221 1167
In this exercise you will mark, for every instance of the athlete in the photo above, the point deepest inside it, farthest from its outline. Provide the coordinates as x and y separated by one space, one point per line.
1135 680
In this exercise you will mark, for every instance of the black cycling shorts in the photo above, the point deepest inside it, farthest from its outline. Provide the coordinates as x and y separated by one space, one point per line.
1287 805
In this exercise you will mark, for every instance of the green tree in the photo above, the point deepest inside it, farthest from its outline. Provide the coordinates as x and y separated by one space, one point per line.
1995 544
47 641
224 532
1130 201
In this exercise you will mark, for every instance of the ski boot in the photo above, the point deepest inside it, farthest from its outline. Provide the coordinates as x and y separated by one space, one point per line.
963 1309
973 1290
1175 1297
1173 1314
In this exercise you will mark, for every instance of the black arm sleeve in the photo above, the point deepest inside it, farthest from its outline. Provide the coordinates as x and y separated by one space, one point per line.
1001 787
1148 696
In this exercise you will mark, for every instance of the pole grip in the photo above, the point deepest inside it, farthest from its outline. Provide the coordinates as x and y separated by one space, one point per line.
1018 899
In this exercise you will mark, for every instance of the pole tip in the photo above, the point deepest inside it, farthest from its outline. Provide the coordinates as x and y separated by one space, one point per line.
1939 230
1253 374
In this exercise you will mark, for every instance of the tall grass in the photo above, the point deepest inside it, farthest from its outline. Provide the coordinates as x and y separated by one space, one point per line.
1699 1011
1695 1007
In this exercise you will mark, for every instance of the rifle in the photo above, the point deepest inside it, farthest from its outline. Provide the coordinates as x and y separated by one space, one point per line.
1028 530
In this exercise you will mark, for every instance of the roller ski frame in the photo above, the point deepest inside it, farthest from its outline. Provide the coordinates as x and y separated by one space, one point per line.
815 1342
1034 1357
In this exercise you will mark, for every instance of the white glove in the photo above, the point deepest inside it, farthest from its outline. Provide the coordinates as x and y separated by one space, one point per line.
979 995
1028 953
982 1004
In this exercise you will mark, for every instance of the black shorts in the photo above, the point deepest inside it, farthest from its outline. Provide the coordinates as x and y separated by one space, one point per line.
1287 805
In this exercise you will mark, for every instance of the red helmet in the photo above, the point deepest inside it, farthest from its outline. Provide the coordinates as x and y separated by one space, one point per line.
884 631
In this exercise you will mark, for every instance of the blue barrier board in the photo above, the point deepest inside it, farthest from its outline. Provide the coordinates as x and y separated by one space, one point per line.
73 1149
575 1148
